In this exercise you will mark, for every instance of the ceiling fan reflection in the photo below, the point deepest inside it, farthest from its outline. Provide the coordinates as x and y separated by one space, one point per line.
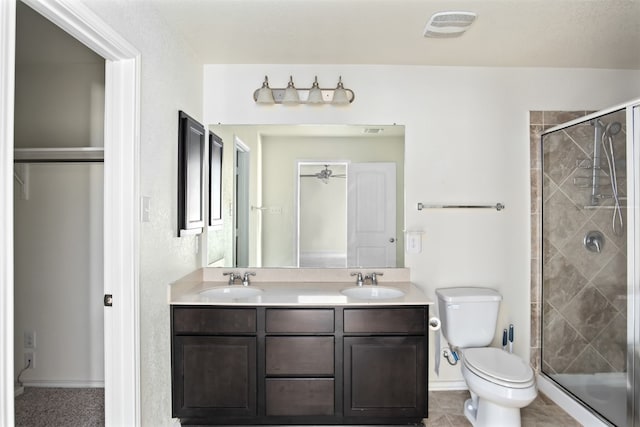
324 175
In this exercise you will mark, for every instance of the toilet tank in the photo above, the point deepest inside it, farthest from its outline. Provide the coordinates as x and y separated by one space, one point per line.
468 315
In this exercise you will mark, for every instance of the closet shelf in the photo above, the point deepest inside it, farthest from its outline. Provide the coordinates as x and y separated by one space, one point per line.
56 155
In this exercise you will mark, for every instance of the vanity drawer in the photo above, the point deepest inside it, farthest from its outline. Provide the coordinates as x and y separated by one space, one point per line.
299 320
385 320
310 356
214 320
300 396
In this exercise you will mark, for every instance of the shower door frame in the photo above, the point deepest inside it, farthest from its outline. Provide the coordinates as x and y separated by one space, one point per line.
632 110
633 268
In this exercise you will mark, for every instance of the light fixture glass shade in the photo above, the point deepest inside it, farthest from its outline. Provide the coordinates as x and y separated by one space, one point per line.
340 94
315 94
265 95
291 94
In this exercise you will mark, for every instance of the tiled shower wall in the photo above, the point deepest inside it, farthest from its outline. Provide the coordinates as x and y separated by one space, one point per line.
583 327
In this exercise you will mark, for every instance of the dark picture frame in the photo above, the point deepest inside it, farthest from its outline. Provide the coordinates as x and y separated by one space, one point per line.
215 179
191 152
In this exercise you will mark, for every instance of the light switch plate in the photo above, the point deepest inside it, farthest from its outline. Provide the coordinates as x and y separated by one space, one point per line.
414 242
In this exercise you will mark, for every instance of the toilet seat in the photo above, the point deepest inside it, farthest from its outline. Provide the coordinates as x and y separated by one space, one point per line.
499 367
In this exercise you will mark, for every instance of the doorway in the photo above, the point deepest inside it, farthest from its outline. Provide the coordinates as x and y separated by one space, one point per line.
58 218
121 208
321 207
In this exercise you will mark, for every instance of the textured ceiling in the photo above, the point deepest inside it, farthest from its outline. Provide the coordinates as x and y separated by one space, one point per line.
507 33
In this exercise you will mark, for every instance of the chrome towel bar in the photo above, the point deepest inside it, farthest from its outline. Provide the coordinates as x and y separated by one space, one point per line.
497 206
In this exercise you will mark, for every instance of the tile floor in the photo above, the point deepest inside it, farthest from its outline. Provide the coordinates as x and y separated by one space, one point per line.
446 410
85 407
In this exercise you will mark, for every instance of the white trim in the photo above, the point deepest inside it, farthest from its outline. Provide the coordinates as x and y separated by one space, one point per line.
7 67
64 384
447 385
122 210
86 26
121 240
569 405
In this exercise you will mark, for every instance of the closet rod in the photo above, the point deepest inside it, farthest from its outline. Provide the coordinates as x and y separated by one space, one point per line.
497 206
58 155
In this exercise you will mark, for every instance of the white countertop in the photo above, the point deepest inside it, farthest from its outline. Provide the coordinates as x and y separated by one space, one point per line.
293 294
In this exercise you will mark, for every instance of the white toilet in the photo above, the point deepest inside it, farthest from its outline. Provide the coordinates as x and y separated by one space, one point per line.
500 382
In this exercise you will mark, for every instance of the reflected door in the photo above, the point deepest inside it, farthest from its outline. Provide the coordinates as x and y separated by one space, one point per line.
371 215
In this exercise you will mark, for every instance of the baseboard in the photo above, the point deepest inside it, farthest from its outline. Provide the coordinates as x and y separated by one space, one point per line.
18 390
64 384
447 385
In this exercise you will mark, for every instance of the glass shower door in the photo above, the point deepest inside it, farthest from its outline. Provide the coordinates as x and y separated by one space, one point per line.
585 283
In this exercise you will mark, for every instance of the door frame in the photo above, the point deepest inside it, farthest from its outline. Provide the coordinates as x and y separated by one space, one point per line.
121 207
241 207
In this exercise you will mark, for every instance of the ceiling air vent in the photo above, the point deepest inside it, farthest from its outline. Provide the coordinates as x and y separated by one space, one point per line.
449 24
373 130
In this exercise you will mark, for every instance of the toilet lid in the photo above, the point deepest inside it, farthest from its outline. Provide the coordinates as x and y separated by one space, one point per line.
499 366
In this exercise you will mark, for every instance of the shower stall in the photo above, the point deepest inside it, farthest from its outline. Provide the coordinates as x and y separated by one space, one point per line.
589 259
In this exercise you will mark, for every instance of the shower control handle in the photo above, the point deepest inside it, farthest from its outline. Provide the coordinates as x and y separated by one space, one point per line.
594 241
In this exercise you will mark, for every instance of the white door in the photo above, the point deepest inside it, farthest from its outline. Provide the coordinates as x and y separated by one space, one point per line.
371 215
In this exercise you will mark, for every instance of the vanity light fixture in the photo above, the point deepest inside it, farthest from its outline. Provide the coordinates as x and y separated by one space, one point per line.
340 94
291 95
315 94
264 95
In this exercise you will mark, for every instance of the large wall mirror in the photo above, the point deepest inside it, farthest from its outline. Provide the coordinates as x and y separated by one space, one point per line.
323 196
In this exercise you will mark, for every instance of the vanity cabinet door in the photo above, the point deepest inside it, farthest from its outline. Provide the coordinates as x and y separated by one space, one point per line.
214 376
385 376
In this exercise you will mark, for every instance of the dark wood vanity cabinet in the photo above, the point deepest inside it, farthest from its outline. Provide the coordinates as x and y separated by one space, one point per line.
203 341
297 366
385 362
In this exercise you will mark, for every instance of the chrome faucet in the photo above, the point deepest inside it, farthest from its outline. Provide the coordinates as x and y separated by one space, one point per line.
359 279
233 276
373 277
245 278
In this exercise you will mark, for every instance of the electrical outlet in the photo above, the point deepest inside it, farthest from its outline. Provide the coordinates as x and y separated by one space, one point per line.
29 339
30 359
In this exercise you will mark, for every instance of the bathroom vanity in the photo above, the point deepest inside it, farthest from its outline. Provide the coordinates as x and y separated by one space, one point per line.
299 353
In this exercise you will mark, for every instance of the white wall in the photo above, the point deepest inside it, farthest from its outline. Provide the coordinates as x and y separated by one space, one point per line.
58 274
467 141
170 80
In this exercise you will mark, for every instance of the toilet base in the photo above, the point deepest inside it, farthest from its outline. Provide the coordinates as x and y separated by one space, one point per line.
483 413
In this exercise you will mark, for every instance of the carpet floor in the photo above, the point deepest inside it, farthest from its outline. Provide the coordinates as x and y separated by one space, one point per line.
58 407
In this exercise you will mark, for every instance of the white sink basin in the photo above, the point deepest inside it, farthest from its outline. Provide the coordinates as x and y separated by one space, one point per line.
236 291
372 292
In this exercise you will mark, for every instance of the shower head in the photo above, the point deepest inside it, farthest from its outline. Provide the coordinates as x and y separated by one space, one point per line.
613 128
